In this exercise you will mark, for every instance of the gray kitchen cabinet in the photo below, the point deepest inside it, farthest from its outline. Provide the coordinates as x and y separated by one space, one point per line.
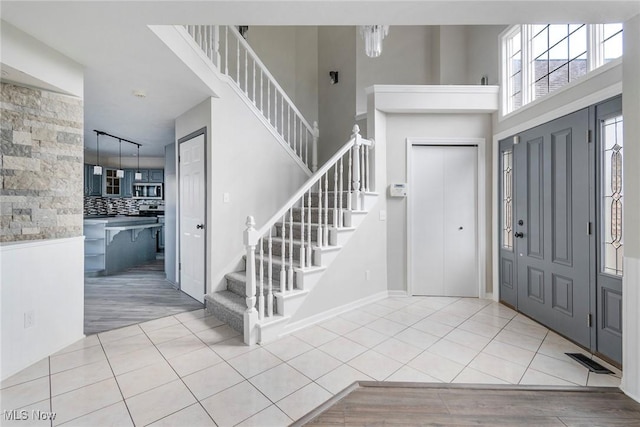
156 175
112 185
92 183
127 183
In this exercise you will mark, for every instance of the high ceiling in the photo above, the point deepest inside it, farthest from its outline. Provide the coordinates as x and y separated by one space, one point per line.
121 55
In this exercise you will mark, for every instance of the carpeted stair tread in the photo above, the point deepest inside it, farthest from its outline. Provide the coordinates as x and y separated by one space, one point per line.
229 308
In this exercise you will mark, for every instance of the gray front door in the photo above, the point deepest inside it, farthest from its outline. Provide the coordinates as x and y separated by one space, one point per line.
551 245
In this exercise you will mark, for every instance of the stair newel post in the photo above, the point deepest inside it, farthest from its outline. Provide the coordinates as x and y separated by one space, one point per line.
308 229
320 212
250 314
303 248
270 275
314 151
335 196
283 273
340 214
325 231
261 282
355 185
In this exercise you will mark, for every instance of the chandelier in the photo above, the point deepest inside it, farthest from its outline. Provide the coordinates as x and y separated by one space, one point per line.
373 36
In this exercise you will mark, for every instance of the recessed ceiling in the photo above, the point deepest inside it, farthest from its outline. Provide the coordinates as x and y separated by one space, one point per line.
121 55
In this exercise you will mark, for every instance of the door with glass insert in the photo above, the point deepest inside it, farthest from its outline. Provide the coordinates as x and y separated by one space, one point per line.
610 200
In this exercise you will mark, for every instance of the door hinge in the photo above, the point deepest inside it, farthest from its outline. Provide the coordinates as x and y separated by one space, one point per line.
589 228
589 320
589 136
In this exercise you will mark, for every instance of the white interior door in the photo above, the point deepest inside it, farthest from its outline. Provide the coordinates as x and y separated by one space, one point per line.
442 199
192 218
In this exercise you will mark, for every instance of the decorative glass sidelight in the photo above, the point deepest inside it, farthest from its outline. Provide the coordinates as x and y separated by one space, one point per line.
507 199
612 196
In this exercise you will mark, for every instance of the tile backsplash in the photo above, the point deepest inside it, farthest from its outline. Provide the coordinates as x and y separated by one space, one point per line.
115 205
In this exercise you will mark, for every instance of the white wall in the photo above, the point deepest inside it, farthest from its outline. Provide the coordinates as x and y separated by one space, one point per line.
405 60
631 210
42 66
291 56
399 127
128 161
44 278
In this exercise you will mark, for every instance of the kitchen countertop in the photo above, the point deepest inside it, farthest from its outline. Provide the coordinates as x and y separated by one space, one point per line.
119 220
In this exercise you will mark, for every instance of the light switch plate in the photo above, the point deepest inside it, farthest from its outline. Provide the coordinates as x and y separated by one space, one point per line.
226 198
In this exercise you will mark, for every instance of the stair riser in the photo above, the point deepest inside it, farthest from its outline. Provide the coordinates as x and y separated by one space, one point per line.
231 318
331 202
297 232
297 215
276 251
240 288
275 272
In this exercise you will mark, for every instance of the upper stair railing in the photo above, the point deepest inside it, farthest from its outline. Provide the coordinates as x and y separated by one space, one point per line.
304 221
233 57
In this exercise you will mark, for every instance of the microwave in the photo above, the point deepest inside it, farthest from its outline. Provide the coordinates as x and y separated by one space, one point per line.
147 191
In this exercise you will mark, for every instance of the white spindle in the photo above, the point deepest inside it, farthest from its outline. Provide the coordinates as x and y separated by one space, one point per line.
320 212
306 148
216 45
261 282
367 170
289 140
303 249
335 196
341 196
282 113
349 168
270 277
246 73
253 83
309 260
362 168
261 92
269 100
283 274
238 61
314 152
355 185
290 271
226 50
325 234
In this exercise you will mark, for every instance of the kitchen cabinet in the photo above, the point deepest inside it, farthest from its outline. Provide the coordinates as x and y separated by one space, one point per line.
112 185
127 183
151 175
92 183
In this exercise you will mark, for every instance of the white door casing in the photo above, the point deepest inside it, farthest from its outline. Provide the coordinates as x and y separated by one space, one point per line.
192 216
445 217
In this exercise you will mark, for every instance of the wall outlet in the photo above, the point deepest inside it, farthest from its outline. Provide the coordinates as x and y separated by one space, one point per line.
29 319
383 215
367 275
226 198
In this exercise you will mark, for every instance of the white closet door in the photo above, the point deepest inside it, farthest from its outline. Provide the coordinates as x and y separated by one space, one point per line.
443 216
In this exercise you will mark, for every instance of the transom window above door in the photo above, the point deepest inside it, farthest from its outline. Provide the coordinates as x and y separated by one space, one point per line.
538 59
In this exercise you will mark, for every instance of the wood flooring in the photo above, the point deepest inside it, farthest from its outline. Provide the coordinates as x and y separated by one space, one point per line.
132 296
412 404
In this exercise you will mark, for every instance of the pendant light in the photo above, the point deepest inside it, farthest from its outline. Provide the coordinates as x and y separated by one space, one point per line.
373 36
97 169
138 175
120 172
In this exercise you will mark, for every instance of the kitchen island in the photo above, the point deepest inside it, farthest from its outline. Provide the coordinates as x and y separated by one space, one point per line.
115 243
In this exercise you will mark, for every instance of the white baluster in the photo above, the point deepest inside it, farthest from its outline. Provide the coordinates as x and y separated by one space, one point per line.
335 196
309 260
253 83
290 272
226 50
355 184
349 168
341 196
282 112
250 317
261 282
289 140
269 100
314 153
325 234
362 169
320 240
216 45
367 170
283 274
238 62
306 148
303 258
246 73
261 91
295 139
270 277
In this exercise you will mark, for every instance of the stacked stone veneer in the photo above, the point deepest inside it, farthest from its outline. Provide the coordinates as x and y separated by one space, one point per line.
41 164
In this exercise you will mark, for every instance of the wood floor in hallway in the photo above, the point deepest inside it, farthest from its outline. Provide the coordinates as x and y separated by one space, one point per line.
136 295
415 404
466 405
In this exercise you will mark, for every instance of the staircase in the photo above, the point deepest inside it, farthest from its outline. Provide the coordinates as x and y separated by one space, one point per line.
286 257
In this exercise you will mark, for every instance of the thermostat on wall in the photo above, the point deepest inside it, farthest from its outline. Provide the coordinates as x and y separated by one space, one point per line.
398 190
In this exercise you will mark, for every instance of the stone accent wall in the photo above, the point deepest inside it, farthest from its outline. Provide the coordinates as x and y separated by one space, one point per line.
41 165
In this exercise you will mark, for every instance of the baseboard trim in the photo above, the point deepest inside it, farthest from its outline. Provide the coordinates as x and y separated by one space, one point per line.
396 294
329 314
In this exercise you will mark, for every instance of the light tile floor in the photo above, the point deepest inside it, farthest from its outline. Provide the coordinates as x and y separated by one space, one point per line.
191 370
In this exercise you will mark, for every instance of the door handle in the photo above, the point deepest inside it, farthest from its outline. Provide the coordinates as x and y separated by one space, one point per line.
518 234
200 226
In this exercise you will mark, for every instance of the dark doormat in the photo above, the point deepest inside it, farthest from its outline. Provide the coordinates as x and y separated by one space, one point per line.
592 365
